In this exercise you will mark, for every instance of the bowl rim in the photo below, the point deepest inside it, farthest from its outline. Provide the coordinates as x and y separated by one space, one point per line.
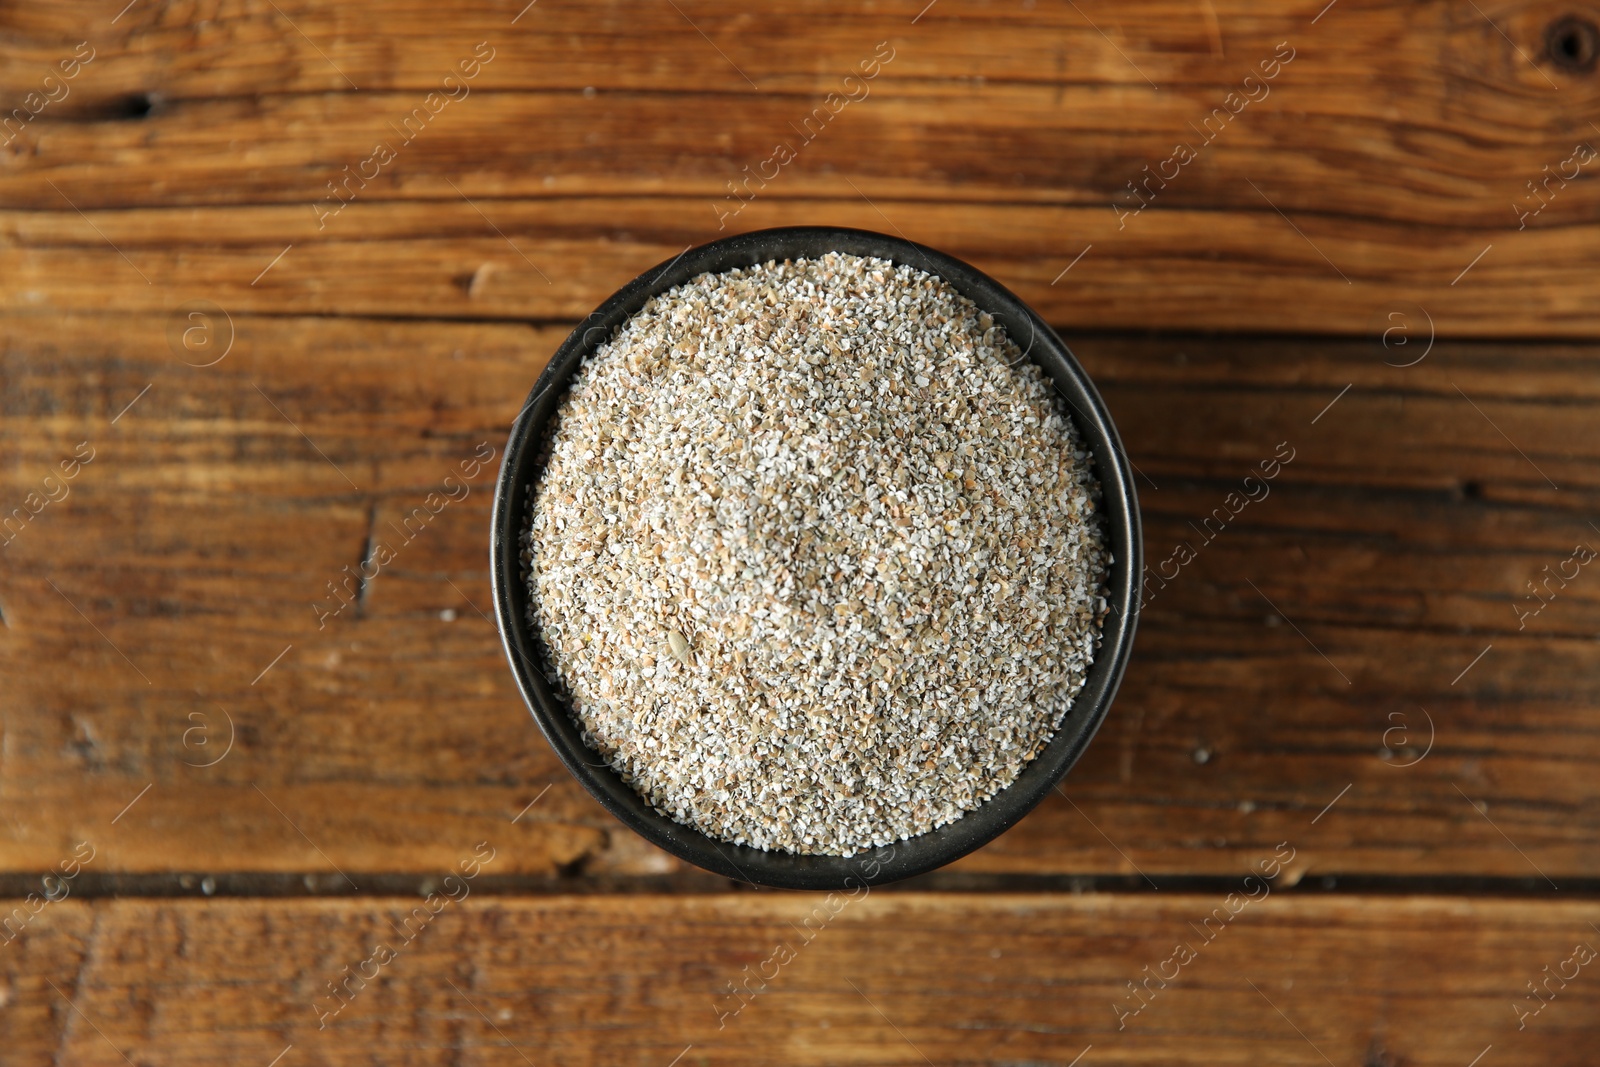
910 856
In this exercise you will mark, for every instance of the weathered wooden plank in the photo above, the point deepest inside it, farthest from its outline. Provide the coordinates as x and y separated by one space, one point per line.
1399 145
1428 95
393 399
1080 145
253 48
885 979
1212 751
557 259
202 539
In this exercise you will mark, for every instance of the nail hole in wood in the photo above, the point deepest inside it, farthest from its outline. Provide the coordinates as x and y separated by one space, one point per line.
133 106
1573 44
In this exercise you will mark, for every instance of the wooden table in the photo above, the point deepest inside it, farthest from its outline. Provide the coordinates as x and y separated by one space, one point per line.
274 269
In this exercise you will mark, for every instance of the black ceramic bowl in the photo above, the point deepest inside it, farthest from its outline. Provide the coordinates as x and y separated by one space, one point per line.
914 855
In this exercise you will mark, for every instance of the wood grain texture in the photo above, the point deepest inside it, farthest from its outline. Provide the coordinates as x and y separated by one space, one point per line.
556 259
1371 665
1305 649
888 979
1377 165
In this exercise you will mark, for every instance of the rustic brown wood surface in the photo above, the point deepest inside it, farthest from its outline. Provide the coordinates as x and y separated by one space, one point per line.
201 539
1378 150
1381 257
786 978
